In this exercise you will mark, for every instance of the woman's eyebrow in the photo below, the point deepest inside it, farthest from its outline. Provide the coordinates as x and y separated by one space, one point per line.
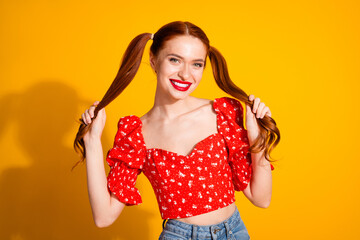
178 56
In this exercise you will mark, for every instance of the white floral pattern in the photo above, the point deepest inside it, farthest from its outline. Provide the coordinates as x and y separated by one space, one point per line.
202 181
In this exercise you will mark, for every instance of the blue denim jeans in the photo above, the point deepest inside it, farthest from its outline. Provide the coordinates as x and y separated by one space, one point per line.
232 228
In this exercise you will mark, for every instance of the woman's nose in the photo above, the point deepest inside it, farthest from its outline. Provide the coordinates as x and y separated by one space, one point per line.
184 72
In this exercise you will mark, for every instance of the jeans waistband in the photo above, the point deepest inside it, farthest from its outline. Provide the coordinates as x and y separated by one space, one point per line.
233 220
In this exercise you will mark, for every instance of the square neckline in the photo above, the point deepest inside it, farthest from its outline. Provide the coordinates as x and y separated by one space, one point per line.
194 147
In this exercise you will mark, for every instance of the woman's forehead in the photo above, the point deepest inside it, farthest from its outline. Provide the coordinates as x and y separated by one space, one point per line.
185 46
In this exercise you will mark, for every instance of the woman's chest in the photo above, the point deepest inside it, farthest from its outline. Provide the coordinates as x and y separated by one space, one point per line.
207 160
178 136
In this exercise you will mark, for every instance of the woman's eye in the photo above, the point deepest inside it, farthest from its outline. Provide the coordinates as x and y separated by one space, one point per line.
198 65
174 60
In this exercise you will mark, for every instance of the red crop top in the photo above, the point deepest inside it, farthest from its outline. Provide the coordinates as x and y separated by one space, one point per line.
200 182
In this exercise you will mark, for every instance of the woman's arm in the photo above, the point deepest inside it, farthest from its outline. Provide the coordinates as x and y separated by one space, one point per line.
259 188
106 208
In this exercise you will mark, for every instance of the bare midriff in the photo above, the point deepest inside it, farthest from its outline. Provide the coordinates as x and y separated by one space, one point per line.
210 218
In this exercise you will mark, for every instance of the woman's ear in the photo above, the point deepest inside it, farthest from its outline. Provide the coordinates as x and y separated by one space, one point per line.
152 61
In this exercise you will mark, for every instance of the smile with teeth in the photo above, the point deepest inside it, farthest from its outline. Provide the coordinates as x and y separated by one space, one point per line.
180 85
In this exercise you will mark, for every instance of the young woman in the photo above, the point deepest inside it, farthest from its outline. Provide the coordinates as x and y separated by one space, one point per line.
195 152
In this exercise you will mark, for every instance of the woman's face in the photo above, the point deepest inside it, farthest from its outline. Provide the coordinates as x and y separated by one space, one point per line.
179 66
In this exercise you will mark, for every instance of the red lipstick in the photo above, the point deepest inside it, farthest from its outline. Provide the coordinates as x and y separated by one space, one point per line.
180 85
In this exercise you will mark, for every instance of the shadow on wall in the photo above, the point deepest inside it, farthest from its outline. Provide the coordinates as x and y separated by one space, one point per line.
47 200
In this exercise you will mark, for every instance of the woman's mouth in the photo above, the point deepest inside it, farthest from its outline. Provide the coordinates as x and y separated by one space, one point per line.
180 85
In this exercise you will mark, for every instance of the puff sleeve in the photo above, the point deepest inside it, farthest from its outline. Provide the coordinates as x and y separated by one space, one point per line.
230 126
126 160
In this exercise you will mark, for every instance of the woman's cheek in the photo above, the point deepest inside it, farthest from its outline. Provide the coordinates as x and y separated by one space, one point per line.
199 74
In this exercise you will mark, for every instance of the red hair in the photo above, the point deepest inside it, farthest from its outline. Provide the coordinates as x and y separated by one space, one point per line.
269 135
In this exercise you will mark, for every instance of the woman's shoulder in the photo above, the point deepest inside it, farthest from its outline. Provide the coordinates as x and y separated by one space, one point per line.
227 104
129 118
202 105
216 105
202 100
225 101
129 123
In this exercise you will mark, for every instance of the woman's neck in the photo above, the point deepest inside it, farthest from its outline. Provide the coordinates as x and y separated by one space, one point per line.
169 108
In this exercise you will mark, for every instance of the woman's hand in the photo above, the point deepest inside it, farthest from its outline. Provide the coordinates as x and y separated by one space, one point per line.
98 125
259 110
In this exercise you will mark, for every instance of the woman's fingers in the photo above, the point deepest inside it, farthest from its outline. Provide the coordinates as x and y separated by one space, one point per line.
256 105
259 108
89 113
98 123
92 109
83 117
266 112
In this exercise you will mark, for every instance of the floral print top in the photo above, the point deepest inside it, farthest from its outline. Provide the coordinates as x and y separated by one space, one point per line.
185 186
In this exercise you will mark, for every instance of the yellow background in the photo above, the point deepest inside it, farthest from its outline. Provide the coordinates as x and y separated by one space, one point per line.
301 58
